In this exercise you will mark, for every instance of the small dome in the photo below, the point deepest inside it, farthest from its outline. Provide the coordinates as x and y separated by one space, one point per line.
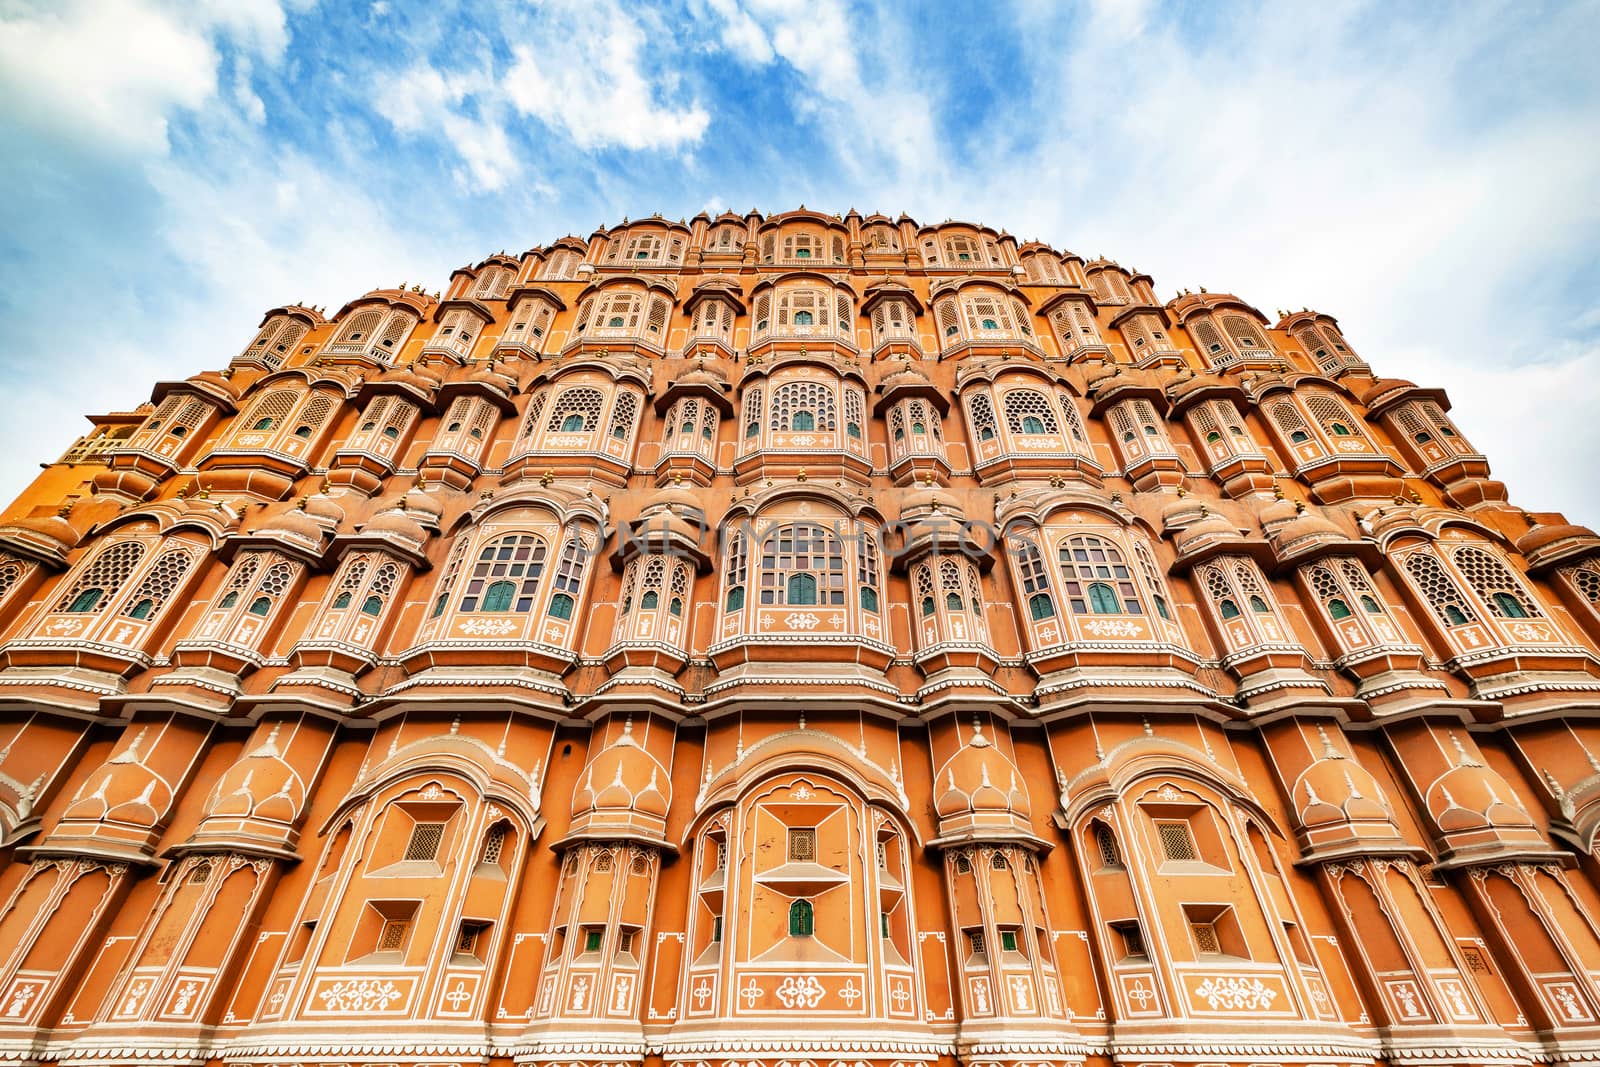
422 506
51 532
1383 388
1280 511
215 384
324 509
905 376
296 523
622 780
418 378
1308 525
1557 541
935 505
678 498
980 780
1209 529
1181 512
487 375
703 375
396 523
1338 789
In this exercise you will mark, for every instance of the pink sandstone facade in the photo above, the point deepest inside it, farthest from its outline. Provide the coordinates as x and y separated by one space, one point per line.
794 641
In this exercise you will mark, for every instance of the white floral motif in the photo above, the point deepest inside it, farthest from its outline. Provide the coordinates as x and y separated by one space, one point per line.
488 627
360 994
1524 631
805 993
1236 994
1107 628
797 620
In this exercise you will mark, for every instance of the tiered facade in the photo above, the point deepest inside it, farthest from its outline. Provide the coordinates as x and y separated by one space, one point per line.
789 641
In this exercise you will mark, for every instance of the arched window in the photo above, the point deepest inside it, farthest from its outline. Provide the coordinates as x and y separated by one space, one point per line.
1331 414
269 410
568 580
112 566
1028 412
1103 599
803 406
736 571
382 588
515 559
576 409
1494 584
458 555
624 412
1342 584
983 421
1035 580
498 596
805 551
1106 845
801 919
1088 562
1441 592
867 570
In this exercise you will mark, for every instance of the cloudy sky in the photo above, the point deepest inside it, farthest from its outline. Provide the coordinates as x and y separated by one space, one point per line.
1428 173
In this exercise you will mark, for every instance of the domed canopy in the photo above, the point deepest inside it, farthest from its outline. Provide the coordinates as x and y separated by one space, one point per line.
980 794
624 792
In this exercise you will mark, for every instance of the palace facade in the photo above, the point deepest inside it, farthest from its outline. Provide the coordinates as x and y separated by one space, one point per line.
794 641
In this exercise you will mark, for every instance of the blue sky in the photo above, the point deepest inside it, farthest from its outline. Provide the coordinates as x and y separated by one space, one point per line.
1428 173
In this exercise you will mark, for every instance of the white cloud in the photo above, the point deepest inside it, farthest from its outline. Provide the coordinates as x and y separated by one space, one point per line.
110 72
1299 161
424 100
882 122
587 80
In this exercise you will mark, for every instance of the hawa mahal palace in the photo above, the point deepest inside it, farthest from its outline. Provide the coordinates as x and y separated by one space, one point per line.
794 641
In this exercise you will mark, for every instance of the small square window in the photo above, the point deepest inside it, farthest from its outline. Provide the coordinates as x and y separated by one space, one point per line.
802 844
1132 939
591 940
468 939
425 840
975 942
392 938
1177 843
1008 940
1205 938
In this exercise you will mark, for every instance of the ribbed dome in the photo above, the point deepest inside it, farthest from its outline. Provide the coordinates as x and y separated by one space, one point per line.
1308 525
396 524
54 533
980 780
422 506
1209 529
418 378
623 779
905 376
494 379
297 523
